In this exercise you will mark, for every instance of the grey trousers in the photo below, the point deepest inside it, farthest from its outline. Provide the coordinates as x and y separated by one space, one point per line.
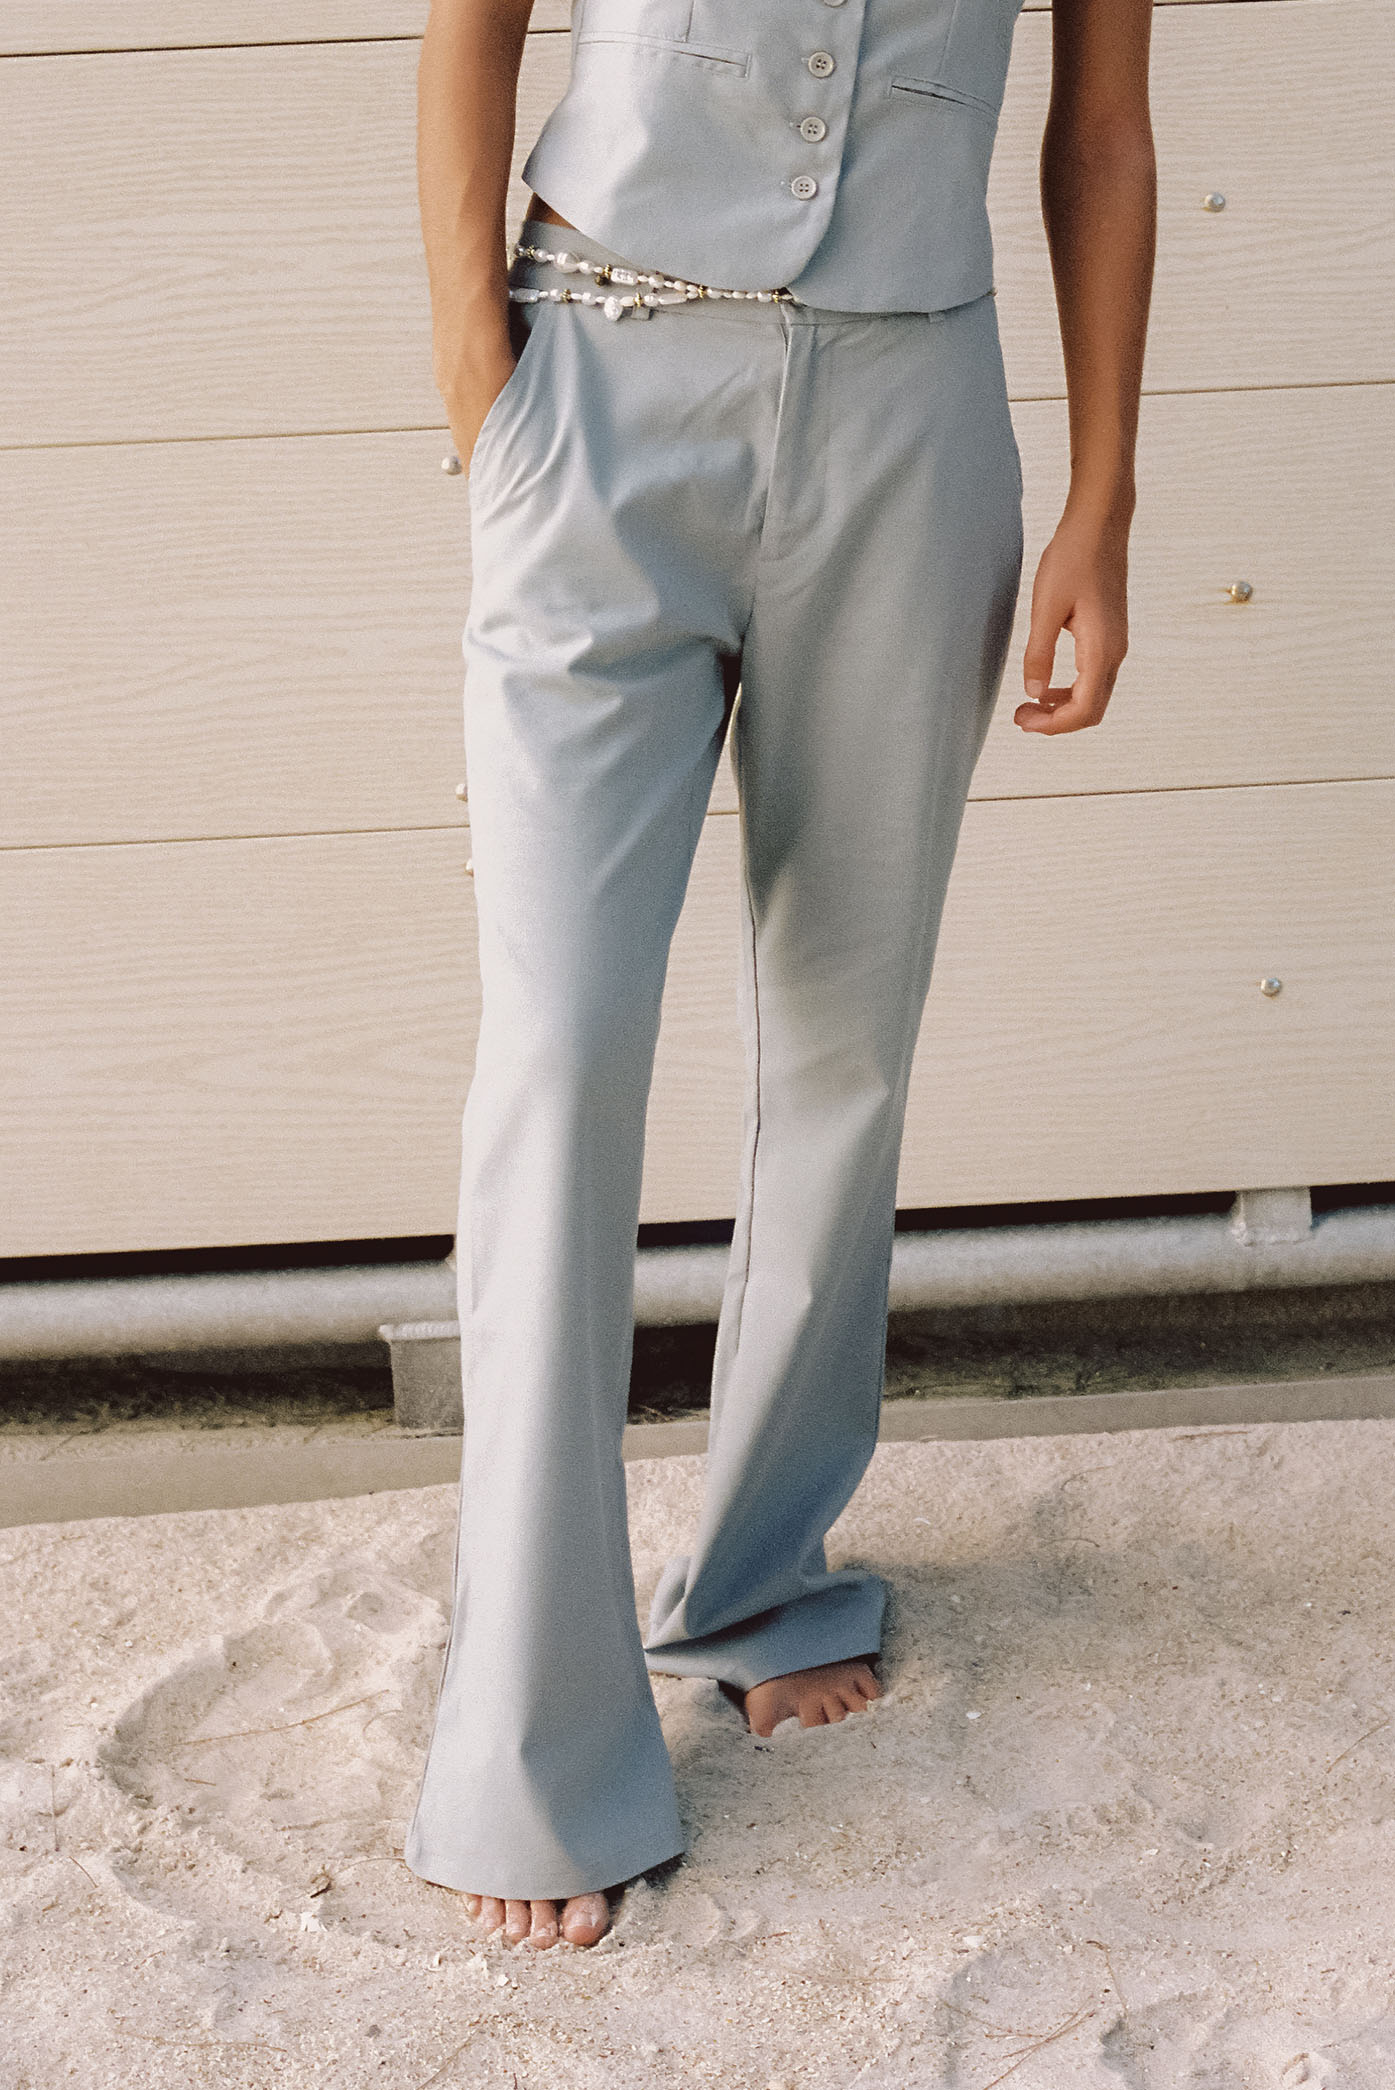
827 506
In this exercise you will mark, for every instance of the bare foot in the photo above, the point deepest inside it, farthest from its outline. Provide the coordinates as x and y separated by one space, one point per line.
815 1697
583 1920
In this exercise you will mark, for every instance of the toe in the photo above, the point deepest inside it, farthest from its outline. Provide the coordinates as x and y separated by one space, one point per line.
472 1904
585 1919
543 1931
761 1712
491 1912
518 1920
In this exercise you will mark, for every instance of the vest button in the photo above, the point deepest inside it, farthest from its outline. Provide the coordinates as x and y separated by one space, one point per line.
821 64
804 186
813 128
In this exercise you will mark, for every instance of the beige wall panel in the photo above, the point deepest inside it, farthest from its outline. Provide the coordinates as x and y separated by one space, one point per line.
243 1041
132 25
225 241
259 1041
238 638
221 242
263 637
1095 1026
724 798
1291 491
232 1041
1282 107
233 638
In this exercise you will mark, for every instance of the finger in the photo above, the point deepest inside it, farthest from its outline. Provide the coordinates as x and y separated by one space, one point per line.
1039 657
1033 716
1083 705
1043 708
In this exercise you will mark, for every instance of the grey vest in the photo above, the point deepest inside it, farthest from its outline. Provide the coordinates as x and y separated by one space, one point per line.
839 147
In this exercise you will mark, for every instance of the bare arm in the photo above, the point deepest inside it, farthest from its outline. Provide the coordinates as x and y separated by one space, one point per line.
466 87
1099 203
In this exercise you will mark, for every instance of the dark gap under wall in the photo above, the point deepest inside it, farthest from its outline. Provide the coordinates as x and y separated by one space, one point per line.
1063 1348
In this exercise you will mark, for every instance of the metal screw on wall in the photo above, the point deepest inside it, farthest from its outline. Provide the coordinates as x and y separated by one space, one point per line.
452 466
1271 987
1240 591
1215 201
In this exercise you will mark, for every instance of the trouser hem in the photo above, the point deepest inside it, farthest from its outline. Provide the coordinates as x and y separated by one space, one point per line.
837 1625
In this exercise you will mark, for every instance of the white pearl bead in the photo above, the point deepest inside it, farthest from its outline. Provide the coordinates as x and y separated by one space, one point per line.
679 290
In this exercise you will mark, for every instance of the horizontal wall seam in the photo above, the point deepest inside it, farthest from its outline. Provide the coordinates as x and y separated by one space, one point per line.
462 827
1031 7
441 429
290 43
309 834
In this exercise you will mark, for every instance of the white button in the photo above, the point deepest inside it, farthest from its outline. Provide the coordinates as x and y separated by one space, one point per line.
804 186
821 64
813 128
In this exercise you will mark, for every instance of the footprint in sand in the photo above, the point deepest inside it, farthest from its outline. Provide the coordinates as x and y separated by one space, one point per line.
313 1718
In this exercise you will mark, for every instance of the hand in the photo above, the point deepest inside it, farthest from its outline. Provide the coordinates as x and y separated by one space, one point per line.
478 375
1081 587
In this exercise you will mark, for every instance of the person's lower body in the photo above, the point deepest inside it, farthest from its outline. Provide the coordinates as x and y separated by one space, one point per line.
826 506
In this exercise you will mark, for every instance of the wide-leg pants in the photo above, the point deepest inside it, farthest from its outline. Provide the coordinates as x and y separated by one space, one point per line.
826 506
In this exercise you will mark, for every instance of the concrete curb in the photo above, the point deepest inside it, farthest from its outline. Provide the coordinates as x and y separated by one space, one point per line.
192 1469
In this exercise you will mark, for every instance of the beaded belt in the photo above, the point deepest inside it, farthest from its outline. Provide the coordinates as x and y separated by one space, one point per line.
650 291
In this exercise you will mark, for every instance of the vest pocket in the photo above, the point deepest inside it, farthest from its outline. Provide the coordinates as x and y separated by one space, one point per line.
664 27
978 49
696 54
939 90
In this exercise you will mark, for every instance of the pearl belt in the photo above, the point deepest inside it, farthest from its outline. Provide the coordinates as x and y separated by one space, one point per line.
651 291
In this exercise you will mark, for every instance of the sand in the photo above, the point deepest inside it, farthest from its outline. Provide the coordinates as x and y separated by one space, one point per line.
1125 1817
